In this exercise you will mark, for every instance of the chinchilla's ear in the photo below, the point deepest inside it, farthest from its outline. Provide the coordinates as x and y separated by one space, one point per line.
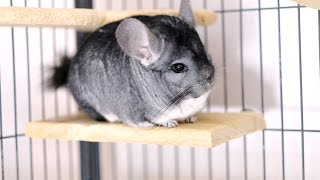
185 12
138 41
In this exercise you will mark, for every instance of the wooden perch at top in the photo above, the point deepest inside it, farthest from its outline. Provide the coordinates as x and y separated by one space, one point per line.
83 19
310 3
211 130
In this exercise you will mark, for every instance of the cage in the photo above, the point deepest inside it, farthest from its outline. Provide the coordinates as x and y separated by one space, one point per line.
267 58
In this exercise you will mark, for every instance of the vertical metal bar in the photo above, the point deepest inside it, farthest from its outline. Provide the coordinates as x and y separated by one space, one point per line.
160 148
29 97
68 105
319 38
171 4
129 146
193 166
109 4
89 152
144 146
205 33
301 94
176 148
160 162
56 101
1 130
129 158
193 163
124 4
242 91
225 84
262 91
15 99
145 161
43 101
176 163
280 86
139 4
89 161
114 175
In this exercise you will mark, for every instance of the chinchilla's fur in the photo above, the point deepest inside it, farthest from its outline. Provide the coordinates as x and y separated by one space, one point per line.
142 71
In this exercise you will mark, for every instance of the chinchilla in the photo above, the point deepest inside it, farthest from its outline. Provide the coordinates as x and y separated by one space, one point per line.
142 71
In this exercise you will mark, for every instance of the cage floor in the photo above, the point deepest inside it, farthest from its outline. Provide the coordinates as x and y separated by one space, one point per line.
210 130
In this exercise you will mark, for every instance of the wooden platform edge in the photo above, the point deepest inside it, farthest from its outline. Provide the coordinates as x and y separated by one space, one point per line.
205 133
315 4
84 19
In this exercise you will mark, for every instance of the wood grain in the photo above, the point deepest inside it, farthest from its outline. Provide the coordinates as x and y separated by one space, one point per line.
211 130
310 3
83 19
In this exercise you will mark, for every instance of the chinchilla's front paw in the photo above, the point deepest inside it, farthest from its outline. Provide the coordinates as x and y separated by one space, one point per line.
168 123
191 119
145 124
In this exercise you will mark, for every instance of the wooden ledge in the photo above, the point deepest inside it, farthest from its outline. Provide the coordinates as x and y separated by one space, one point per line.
309 3
211 130
84 19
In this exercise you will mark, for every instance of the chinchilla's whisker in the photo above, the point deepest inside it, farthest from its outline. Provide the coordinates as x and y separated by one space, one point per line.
181 95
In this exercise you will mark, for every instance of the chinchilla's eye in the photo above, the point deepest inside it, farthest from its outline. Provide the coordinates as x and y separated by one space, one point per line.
178 68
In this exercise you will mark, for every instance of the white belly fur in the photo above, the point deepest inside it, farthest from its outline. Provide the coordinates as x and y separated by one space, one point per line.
185 109
111 117
182 111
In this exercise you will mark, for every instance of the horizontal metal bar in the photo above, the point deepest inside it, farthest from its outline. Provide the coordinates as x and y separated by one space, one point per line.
292 130
12 136
255 9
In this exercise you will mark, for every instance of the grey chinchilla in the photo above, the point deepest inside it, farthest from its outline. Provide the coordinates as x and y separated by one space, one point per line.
142 71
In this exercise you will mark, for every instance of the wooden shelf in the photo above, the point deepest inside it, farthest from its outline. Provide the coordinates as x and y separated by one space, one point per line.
211 130
309 3
84 19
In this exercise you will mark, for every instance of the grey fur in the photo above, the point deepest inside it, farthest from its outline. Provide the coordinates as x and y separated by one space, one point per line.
186 13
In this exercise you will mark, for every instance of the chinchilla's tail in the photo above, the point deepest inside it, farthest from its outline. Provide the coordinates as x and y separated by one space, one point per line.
59 77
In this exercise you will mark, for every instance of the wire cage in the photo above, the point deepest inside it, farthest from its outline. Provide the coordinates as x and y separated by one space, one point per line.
267 57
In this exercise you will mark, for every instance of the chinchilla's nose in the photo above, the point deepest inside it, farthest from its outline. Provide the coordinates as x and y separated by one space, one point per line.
207 72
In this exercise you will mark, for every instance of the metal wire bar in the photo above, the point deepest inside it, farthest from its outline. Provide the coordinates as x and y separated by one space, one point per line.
13 136
319 38
1 130
29 97
281 91
242 91
256 9
129 158
124 4
44 147
68 105
301 93
193 166
109 4
160 148
145 164
160 162
56 101
293 130
15 99
114 175
225 84
262 90
205 34
176 163
176 149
